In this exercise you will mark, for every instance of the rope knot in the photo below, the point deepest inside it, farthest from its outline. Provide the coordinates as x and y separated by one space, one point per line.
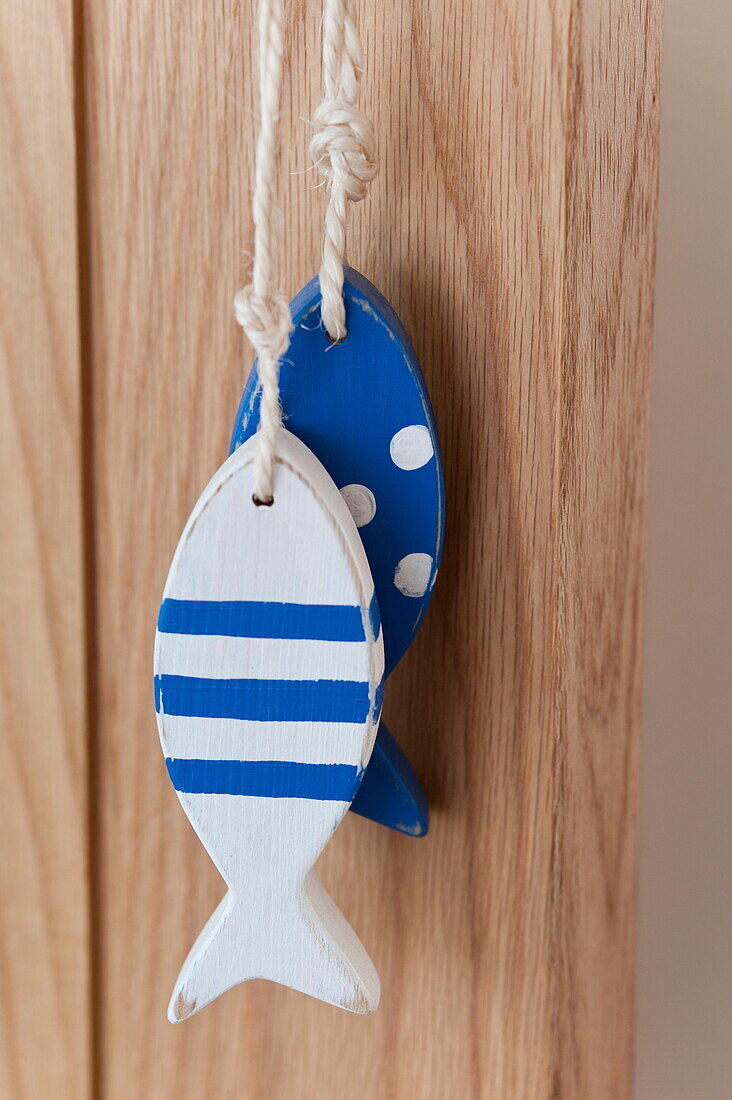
266 320
343 146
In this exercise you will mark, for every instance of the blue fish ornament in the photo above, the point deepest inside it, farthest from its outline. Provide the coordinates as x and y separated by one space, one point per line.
269 667
362 407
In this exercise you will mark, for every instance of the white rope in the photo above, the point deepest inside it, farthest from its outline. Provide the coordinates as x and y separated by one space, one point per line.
343 150
262 312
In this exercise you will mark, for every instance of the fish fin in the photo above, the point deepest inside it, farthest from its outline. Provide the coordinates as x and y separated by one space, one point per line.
306 944
390 792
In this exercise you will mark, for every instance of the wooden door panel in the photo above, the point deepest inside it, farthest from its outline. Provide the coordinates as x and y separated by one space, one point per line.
512 228
45 958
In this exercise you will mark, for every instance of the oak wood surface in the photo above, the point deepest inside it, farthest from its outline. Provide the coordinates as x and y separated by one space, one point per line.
512 228
45 961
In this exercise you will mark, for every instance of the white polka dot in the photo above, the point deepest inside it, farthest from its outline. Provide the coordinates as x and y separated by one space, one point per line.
361 503
412 575
411 447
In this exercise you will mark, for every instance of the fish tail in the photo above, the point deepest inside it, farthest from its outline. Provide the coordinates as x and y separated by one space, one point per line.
306 944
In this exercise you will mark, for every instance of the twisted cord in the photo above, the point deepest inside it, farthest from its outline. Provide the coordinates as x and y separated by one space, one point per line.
262 312
343 148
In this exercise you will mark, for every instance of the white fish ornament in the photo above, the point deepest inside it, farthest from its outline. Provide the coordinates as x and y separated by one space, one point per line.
269 666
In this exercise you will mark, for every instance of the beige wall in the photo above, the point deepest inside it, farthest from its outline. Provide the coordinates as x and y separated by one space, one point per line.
684 1049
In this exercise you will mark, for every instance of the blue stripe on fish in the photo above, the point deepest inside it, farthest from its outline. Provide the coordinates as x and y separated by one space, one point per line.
261 619
374 617
263 700
378 700
265 778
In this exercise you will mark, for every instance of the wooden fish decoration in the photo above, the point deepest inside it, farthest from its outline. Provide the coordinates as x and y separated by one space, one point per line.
269 668
362 407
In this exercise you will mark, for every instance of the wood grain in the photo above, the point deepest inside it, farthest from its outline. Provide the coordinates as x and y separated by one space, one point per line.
512 228
45 1021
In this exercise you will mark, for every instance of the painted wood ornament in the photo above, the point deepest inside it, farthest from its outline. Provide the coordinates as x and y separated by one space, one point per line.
270 657
362 407
269 666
